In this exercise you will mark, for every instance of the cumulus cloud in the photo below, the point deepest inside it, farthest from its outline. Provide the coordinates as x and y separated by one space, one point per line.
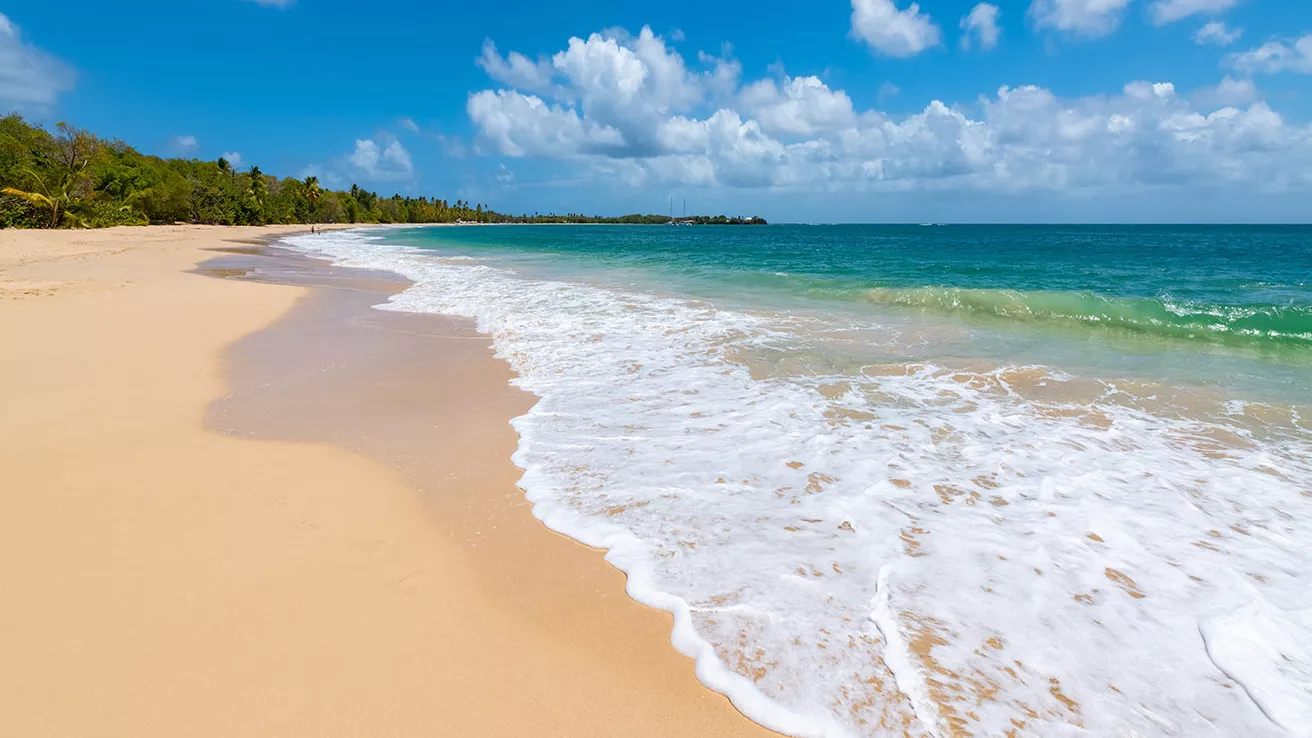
408 123
800 106
1218 34
624 84
639 118
721 80
1169 11
515 69
1089 18
29 77
184 144
1229 91
1140 90
893 32
524 125
628 82
1276 56
981 24
234 159
379 163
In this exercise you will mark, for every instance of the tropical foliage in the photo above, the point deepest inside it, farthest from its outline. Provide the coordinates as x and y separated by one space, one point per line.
72 178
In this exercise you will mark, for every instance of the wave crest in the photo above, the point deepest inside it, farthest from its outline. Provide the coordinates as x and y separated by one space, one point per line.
1254 324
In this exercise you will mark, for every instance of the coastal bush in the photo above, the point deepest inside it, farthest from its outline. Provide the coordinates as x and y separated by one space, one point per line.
18 213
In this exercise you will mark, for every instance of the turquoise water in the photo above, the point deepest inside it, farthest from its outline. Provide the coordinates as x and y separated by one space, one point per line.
900 480
1228 305
1223 264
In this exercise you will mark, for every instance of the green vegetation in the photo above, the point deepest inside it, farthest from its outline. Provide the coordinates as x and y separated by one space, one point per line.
73 179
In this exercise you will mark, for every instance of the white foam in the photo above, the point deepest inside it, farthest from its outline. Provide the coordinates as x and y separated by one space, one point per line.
912 680
1266 650
926 552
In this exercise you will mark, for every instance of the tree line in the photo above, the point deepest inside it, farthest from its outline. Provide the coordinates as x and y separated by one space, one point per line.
70 178
634 219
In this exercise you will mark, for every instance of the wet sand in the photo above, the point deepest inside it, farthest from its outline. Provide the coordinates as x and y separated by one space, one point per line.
240 508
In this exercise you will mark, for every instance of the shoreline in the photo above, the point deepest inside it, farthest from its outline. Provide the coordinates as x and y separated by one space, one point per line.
164 579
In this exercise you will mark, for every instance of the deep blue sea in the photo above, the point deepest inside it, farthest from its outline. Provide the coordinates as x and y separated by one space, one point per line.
935 479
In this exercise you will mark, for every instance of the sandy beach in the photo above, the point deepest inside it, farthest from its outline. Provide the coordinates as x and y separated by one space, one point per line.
234 508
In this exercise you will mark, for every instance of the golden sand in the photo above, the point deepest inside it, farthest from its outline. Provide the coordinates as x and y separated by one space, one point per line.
160 578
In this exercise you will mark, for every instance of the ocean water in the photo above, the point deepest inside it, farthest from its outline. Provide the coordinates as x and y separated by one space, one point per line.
902 480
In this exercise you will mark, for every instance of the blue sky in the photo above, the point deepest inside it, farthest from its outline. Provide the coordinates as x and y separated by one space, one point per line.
865 110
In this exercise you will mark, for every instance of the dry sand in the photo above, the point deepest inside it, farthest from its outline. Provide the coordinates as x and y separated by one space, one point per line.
160 578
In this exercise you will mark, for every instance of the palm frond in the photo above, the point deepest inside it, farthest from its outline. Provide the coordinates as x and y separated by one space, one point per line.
40 181
35 198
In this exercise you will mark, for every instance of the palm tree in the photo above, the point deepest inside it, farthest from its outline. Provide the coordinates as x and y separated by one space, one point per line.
312 190
257 188
57 199
257 184
225 167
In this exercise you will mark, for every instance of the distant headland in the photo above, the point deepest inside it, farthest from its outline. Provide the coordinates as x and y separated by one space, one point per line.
632 219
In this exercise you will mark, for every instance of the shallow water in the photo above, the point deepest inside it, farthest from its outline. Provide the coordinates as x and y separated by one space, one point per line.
955 480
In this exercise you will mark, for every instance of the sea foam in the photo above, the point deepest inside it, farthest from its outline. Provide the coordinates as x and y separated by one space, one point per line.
905 549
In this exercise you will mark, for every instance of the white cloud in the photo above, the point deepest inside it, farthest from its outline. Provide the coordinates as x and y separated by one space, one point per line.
626 83
623 86
893 32
1229 91
721 81
29 77
1169 11
887 90
379 163
234 159
504 175
800 106
1276 56
1217 33
408 123
723 148
1089 18
935 144
1140 90
982 24
525 125
274 3
515 69
614 119
185 144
